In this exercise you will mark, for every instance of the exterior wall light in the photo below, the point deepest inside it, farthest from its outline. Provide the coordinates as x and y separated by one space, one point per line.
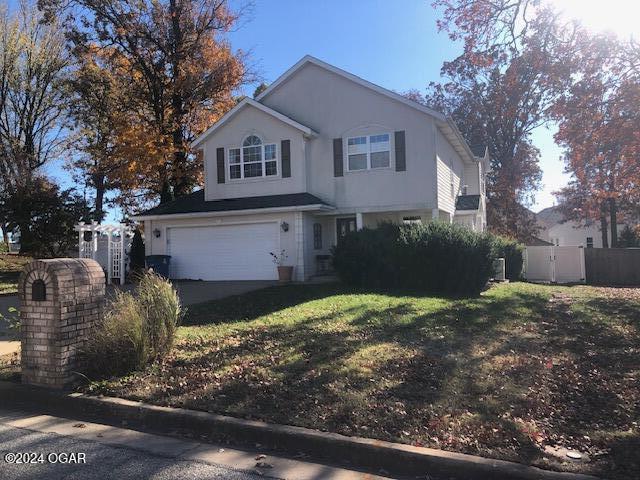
156 232
284 226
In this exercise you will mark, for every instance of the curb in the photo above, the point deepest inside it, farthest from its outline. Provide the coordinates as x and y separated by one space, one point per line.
362 453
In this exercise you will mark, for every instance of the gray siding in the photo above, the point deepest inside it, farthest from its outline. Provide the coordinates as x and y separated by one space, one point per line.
253 121
336 107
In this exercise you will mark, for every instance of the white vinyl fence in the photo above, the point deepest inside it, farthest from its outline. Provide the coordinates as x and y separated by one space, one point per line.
555 264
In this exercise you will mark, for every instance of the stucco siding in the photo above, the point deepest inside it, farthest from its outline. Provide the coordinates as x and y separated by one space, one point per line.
271 130
336 107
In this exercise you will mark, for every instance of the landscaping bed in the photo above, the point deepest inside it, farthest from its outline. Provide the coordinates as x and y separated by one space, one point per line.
524 372
10 268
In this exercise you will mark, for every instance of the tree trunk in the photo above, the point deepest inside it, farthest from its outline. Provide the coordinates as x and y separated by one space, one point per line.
98 213
613 216
5 233
604 229
165 194
26 239
180 180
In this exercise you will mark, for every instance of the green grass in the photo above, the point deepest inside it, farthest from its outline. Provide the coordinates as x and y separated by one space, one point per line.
518 370
10 268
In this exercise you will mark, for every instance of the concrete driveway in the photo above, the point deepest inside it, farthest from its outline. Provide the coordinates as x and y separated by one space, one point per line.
192 292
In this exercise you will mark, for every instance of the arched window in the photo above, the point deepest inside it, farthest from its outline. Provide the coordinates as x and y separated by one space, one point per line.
251 140
253 159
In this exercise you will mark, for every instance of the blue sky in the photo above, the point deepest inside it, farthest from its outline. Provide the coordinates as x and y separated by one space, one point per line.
396 48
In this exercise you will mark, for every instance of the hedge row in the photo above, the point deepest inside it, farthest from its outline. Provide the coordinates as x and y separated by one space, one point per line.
435 257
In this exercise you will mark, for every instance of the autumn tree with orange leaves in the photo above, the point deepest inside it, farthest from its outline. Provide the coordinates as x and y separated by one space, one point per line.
599 127
587 83
500 90
175 74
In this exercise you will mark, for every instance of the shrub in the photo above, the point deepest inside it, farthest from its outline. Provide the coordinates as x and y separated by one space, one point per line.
137 252
513 254
436 257
135 330
4 248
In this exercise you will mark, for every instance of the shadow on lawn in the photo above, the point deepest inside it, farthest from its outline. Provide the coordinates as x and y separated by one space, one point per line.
261 302
305 374
486 375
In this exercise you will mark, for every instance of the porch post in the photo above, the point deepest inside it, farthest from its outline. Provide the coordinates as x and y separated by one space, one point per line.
359 222
109 259
299 271
80 240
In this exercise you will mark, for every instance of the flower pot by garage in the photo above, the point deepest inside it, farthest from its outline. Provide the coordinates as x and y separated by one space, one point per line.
285 274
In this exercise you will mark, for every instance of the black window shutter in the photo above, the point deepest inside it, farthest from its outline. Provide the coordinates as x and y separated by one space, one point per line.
337 157
285 156
401 156
220 160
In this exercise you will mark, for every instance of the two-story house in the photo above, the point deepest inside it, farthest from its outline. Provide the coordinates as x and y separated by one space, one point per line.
319 153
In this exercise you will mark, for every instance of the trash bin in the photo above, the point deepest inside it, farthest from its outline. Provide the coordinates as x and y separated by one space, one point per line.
159 264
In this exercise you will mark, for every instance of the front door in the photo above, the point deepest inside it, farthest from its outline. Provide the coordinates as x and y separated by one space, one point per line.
345 226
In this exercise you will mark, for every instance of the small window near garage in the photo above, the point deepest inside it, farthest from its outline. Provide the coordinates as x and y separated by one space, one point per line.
589 242
317 236
411 219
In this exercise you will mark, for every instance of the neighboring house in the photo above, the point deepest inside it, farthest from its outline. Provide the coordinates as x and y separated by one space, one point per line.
557 231
318 154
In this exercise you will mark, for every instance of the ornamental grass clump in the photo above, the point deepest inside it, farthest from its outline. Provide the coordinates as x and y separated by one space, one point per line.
136 329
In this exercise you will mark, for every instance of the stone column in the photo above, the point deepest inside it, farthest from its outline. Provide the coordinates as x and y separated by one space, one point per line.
60 301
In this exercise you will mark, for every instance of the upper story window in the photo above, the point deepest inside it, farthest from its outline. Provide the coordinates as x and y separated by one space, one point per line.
253 159
367 152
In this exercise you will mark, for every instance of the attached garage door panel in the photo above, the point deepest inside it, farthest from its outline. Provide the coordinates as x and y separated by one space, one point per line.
230 252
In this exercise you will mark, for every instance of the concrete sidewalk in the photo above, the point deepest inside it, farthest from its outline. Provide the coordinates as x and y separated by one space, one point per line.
113 452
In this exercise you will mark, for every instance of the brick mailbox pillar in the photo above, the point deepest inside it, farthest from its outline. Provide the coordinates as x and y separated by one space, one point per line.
61 299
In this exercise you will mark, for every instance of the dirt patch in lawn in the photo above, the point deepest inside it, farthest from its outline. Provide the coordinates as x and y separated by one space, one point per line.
524 372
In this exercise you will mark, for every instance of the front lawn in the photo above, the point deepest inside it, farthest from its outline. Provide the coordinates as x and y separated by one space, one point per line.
10 268
523 372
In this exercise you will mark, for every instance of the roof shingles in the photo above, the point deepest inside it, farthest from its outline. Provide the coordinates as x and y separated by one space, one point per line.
195 203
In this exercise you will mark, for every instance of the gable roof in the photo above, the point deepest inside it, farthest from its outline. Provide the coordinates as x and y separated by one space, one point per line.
478 150
195 203
445 123
550 216
249 102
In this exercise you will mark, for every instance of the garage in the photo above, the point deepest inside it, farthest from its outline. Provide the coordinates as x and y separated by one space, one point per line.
223 252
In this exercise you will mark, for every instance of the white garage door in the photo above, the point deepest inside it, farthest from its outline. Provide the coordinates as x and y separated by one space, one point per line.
230 252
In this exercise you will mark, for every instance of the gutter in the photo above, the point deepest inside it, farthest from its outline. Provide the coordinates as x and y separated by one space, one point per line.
228 213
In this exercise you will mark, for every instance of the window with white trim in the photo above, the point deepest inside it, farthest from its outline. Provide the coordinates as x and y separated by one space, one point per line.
253 159
368 152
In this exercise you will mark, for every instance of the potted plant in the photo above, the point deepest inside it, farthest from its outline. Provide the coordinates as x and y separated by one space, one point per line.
285 272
